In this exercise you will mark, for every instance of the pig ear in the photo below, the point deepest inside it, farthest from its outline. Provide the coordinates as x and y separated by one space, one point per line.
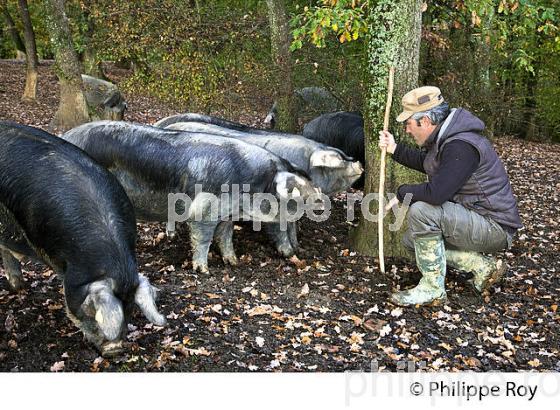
109 313
328 159
268 119
281 181
145 298
286 180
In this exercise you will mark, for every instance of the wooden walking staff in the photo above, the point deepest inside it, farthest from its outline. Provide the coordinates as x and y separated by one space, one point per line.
382 171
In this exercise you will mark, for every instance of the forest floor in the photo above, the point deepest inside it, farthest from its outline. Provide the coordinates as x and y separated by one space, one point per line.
326 311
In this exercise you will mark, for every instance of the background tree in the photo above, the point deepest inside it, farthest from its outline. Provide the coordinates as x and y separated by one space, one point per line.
12 30
30 91
507 42
280 41
72 109
90 57
485 54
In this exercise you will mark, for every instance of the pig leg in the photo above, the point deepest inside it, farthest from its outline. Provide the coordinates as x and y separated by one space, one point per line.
201 236
292 234
12 269
280 239
224 238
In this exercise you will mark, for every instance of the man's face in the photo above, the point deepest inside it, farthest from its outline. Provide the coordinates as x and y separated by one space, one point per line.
419 133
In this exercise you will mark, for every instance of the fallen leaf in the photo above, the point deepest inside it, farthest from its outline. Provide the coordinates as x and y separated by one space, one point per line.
385 330
57 367
374 325
534 363
300 264
446 346
305 339
472 362
263 310
304 291
396 312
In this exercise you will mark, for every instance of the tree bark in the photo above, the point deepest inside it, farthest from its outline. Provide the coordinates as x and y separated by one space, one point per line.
30 91
394 40
483 77
72 109
528 129
92 63
286 119
12 29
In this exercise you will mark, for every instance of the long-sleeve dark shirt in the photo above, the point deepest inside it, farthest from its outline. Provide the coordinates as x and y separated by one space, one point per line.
458 161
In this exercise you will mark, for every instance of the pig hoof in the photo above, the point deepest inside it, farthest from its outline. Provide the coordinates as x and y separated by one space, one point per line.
286 251
16 284
199 267
112 349
230 260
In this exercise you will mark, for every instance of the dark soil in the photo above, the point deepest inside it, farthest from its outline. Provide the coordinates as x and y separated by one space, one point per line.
326 311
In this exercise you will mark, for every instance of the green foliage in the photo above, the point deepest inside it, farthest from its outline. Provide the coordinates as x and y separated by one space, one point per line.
36 11
7 49
211 55
484 54
195 54
215 54
489 54
341 19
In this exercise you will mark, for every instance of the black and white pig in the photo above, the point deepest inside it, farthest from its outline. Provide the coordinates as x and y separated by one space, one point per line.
153 163
208 119
60 206
103 98
329 169
343 130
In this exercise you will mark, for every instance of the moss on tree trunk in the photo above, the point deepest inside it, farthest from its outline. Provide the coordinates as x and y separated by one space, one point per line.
394 40
72 109
280 43
90 59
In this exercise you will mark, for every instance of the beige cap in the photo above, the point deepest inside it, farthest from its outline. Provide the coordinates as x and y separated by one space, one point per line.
418 100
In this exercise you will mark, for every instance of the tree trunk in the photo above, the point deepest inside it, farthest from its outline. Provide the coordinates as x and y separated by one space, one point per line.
394 40
30 92
484 64
280 44
72 109
92 63
12 29
528 129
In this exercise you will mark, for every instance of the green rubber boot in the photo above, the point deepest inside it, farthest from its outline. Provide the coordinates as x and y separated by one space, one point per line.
430 259
486 270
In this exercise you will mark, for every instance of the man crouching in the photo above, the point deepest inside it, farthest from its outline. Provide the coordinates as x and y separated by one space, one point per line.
467 205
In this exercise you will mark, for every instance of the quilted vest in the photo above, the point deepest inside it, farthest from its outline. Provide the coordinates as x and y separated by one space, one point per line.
488 191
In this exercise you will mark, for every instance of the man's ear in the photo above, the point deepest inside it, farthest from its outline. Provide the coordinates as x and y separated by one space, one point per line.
426 122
